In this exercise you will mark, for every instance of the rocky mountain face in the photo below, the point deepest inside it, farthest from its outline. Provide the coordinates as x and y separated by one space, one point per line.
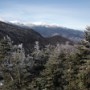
27 36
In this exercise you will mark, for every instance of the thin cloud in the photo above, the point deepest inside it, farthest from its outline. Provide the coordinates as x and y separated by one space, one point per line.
70 14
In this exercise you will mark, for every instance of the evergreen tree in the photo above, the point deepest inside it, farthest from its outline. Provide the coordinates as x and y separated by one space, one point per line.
51 78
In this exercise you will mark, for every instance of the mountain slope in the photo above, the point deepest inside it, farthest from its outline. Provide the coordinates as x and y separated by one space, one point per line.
21 35
27 36
48 31
57 39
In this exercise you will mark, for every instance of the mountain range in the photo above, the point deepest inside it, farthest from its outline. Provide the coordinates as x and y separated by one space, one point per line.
50 30
53 30
27 36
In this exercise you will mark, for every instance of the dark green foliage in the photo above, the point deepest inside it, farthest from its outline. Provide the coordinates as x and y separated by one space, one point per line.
5 47
51 77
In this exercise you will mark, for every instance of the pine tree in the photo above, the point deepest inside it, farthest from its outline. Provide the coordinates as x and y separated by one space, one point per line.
51 78
5 48
83 76
5 58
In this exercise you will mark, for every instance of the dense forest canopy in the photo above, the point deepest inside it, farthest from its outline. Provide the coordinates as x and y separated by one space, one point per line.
58 67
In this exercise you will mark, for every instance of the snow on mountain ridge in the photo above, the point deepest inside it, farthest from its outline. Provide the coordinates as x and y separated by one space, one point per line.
33 24
29 24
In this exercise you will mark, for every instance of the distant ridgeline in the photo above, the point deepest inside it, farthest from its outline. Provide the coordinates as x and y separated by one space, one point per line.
54 30
28 36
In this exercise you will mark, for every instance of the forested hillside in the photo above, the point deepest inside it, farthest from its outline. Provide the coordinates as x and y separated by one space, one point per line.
27 36
60 67
53 30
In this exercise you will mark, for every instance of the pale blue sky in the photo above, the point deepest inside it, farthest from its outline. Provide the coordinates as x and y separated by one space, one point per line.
68 13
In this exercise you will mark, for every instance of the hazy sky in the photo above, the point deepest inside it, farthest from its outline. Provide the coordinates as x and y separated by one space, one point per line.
68 13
